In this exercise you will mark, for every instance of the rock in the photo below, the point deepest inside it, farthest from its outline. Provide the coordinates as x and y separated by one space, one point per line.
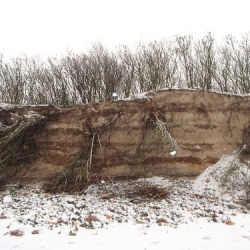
156 207
109 215
63 218
53 222
69 206
35 232
228 222
170 221
77 213
16 232
215 219
80 205
98 212
72 234
84 225
214 215
92 218
190 208
207 180
140 222
161 220
153 216
239 202
70 200
119 219
208 210
74 217
231 206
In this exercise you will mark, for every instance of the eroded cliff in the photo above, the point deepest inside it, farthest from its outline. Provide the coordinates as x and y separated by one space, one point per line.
170 132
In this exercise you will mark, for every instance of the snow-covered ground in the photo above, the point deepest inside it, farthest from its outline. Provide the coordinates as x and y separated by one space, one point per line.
194 235
110 218
211 212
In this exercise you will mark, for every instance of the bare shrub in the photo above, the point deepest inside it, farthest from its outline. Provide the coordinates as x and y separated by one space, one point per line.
94 76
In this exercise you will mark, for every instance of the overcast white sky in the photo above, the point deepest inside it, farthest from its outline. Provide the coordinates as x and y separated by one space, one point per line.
52 26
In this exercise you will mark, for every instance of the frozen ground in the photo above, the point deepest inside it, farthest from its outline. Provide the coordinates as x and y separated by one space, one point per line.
194 235
115 218
211 212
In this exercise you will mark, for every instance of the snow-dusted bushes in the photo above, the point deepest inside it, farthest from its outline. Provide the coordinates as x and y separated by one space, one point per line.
95 75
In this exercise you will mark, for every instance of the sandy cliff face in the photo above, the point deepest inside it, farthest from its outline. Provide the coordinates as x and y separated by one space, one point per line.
135 137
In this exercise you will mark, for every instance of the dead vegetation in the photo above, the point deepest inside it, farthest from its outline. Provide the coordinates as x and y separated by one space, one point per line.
129 139
15 147
136 191
18 126
82 171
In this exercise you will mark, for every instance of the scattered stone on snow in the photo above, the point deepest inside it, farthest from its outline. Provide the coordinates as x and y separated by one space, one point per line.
91 211
16 232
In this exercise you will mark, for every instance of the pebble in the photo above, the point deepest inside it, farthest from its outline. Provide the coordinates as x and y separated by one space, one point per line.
231 206
123 204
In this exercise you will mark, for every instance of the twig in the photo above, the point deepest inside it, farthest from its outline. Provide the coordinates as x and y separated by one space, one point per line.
88 165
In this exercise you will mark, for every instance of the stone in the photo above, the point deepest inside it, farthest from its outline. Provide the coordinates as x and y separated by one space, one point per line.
190 208
84 225
231 206
161 220
239 202
228 222
92 218
16 232
72 233
140 222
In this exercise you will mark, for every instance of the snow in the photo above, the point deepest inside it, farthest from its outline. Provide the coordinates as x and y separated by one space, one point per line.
7 200
173 153
202 90
6 106
147 95
210 212
195 235
32 115
143 95
182 220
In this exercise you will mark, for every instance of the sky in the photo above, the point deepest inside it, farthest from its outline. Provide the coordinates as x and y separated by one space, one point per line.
50 27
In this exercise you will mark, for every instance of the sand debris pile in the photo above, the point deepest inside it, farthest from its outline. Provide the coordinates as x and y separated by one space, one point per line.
230 177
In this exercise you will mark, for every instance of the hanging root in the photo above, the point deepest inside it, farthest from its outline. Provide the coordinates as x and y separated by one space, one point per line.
11 139
167 139
77 173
